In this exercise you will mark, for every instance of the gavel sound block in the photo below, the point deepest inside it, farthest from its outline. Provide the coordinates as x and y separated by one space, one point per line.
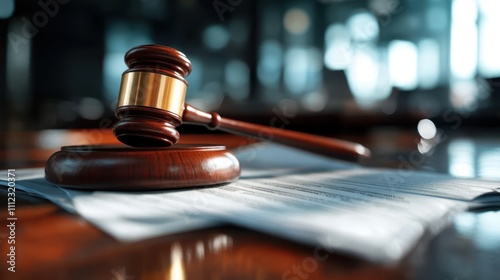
150 107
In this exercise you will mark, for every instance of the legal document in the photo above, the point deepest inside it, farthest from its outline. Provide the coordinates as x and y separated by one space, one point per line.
377 214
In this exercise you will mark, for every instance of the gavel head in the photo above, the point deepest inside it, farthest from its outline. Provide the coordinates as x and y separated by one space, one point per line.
152 94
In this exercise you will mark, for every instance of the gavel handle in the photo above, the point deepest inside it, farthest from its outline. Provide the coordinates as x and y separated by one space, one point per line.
316 144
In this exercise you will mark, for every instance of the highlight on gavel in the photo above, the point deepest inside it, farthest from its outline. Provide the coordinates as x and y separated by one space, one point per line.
151 105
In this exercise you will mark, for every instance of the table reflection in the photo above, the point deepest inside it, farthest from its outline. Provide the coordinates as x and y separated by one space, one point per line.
478 158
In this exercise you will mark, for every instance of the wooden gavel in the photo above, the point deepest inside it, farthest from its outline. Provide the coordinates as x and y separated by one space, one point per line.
150 107
152 104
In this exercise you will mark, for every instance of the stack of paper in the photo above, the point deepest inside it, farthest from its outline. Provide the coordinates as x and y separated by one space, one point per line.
378 214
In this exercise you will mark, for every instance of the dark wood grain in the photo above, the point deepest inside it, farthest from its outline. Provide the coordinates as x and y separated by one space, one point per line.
132 169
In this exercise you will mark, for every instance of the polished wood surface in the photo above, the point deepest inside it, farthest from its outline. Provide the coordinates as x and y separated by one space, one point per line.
126 168
150 124
54 244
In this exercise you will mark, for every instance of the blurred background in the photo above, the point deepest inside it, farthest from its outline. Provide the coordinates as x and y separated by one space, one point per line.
416 81
325 66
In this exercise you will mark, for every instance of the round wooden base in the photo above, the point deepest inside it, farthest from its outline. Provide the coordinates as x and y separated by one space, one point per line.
137 169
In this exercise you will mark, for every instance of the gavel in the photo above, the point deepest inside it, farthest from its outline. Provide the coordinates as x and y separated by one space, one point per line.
151 105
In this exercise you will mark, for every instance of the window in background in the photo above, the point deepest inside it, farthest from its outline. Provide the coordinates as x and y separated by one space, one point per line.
270 52
19 77
337 47
222 70
367 72
489 39
237 79
463 45
403 63
428 64
7 8
302 63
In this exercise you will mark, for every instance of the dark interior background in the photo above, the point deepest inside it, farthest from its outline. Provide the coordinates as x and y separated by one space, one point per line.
326 65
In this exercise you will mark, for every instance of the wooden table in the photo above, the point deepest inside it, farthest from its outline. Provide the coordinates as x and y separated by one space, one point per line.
54 244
